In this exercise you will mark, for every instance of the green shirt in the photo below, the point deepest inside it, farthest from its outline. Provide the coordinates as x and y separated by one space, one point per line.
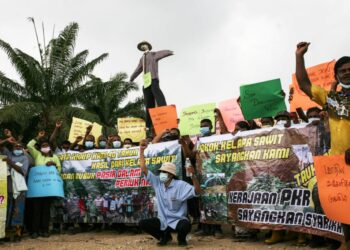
40 159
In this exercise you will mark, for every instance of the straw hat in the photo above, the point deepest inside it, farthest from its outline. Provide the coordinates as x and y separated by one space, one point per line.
143 43
169 168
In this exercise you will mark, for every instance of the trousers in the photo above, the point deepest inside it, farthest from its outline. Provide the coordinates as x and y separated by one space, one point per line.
152 227
153 95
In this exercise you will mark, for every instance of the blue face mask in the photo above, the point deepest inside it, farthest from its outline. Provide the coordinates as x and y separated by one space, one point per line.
89 144
18 152
102 144
204 130
163 177
117 144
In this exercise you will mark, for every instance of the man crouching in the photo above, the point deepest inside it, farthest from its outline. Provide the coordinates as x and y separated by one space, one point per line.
172 195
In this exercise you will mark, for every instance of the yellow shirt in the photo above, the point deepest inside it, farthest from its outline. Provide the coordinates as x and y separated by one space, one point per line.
339 128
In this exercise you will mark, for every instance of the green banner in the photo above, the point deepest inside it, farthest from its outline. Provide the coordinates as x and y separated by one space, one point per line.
263 99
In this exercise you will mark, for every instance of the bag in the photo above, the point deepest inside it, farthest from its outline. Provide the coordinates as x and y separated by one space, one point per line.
18 183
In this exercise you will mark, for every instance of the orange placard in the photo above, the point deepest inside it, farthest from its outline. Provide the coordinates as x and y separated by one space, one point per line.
321 75
164 117
333 180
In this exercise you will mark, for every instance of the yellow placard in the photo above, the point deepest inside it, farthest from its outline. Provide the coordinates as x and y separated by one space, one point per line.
133 128
3 197
78 128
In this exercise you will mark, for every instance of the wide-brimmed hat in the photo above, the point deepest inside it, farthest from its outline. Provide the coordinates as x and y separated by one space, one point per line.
169 168
142 43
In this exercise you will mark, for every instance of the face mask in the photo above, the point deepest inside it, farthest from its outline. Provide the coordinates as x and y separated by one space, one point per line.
266 126
204 130
163 177
102 144
281 122
89 144
117 144
45 150
127 146
314 119
18 152
344 86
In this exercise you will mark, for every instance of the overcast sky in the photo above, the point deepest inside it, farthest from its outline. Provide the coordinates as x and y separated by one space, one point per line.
218 45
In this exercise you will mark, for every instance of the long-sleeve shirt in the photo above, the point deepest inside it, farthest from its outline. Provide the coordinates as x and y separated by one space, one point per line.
171 201
151 63
39 158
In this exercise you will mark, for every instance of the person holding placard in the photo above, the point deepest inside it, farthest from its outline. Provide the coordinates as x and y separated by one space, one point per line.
40 206
18 164
337 104
149 66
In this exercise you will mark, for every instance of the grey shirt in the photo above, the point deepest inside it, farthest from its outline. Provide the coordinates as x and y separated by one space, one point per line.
151 63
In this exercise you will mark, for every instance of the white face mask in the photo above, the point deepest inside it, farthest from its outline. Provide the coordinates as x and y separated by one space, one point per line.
117 144
163 177
266 126
344 86
281 122
45 150
127 146
314 119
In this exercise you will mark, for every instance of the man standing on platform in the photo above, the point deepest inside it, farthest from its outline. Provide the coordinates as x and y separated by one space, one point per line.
149 66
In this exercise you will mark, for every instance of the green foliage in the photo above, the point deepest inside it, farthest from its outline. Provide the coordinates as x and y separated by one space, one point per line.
53 88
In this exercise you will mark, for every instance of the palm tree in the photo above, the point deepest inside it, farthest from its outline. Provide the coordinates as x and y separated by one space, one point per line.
49 86
105 99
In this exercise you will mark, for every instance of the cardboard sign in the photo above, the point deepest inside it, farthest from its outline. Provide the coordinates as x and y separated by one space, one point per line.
164 117
44 181
231 113
333 178
321 75
133 128
190 118
3 196
78 128
263 99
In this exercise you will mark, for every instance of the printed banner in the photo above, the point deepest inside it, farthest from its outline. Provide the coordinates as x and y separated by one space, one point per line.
321 75
78 128
164 117
133 128
231 113
191 117
44 181
268 178
107 185
333 178
3 196
263 99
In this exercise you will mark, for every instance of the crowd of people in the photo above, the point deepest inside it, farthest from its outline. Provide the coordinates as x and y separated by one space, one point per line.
156 214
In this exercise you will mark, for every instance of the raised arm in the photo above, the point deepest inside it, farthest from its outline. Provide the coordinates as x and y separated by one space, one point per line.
137 71
197 187
53 136
143 146
163 53
300 71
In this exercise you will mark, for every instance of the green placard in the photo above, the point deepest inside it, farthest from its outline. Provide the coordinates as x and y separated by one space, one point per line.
191 117
262 99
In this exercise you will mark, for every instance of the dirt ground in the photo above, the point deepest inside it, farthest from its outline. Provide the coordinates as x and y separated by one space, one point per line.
113 240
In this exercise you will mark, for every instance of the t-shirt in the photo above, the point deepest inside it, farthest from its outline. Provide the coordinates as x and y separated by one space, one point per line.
339 127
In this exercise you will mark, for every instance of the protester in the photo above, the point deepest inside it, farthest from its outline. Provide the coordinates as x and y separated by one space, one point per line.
18 164
40 207
127 143
336 103
172 213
